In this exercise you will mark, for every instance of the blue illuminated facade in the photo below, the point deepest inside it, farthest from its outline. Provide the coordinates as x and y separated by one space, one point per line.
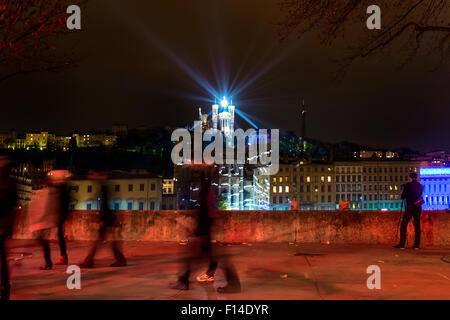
436 193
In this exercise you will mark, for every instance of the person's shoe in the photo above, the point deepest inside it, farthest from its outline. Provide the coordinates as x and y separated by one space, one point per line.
230 289
204 277
87 264
416 247
63 261
48 266
118 263
399 246
180 285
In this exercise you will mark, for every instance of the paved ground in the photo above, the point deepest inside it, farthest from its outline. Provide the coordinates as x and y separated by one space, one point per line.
267 271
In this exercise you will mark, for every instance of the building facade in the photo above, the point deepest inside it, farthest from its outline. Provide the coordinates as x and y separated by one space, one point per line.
436 192
310 185
126 192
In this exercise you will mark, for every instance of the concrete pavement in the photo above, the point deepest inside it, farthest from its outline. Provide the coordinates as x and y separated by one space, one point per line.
267 271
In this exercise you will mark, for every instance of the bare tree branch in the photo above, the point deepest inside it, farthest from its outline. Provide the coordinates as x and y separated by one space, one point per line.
33 36
413 24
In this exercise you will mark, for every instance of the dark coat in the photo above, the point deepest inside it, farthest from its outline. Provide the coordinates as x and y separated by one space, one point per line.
8 200
207 212
412 191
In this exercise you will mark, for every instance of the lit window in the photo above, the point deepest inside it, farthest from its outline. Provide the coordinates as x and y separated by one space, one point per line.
308 179
329 179
286 189
274 189
281 179
322 178
280 189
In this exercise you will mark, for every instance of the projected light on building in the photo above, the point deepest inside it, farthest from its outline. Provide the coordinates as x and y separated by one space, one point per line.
436 193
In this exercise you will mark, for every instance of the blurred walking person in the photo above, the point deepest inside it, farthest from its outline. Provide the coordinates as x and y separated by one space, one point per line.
206 217
62 197
108 228
43 215
412 194
8 200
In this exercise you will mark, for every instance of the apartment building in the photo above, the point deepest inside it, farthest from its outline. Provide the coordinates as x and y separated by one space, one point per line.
310 185
126 192
365 184
373 185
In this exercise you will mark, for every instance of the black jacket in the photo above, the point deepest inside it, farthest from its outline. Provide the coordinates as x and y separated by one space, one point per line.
8 198
412 191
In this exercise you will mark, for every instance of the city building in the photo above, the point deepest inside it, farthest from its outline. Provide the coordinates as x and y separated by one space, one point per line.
39 140
169 197
8 139
94 140
126 192
310 185
436 192
364 184
438 158
373 185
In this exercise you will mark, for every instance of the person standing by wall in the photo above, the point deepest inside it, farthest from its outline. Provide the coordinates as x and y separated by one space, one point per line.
412 194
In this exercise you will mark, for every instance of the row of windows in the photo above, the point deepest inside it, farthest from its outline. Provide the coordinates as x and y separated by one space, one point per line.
358 169
75 188
357 187
301 179
374 170
307 169
437 200
349 178
370 197
117 205
279 189
380 206
308 199
435 188
355 178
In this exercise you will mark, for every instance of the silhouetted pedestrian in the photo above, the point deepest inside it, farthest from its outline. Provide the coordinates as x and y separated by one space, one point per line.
412 194
8 200
61 195
206 216
108 228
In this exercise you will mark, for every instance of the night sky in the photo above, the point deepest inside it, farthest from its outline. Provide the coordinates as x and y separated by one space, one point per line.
154 62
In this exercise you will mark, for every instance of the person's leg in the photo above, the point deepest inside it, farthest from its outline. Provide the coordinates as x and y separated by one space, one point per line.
5 287
89 260
212 267
116 247
193 253
417 230
46 250
119 258
62 241
233 282
62 246
404 226
206 250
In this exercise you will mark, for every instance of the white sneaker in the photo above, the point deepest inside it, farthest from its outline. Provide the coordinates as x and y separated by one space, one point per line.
205 278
